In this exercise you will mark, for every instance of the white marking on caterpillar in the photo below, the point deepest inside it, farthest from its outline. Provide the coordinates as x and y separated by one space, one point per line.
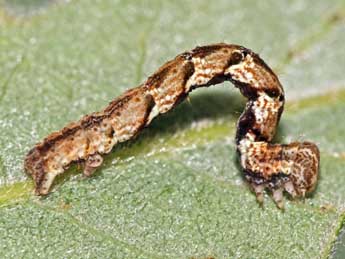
291 167
153 114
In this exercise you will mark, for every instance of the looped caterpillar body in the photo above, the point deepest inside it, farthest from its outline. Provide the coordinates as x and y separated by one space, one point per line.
291 167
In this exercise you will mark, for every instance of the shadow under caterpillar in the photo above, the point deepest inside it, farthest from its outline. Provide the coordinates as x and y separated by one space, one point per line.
291 167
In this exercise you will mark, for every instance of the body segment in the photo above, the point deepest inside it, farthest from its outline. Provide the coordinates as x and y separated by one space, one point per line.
291 167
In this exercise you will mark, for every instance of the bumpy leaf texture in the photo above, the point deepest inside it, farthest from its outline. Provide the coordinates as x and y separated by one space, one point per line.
176 191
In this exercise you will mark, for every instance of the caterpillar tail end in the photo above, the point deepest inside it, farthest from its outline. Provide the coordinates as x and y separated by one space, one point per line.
33 166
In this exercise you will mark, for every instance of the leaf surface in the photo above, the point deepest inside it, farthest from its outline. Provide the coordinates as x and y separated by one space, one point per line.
177 190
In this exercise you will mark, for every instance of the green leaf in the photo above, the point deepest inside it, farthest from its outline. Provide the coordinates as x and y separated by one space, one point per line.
177 190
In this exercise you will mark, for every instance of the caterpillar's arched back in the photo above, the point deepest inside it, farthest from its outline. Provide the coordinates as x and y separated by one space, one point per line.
290 167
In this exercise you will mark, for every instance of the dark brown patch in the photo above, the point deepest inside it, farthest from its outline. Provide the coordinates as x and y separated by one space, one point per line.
186 55
281 108
245 123
272 92
204 51
188 71
235 58
261 63
110 134
33 165
246 89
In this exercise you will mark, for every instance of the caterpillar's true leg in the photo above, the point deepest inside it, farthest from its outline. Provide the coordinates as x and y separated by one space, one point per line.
277 195
92 163
290 189
259 192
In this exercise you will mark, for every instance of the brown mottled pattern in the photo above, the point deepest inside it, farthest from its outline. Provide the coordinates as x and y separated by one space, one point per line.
266 111
265 159
167 85
292 168
132 117
209 66
205 51
305 157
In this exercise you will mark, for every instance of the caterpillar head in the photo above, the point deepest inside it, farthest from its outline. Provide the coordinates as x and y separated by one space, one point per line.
297 175
304 168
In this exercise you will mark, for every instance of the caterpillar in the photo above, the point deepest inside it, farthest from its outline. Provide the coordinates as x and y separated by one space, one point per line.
266 166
